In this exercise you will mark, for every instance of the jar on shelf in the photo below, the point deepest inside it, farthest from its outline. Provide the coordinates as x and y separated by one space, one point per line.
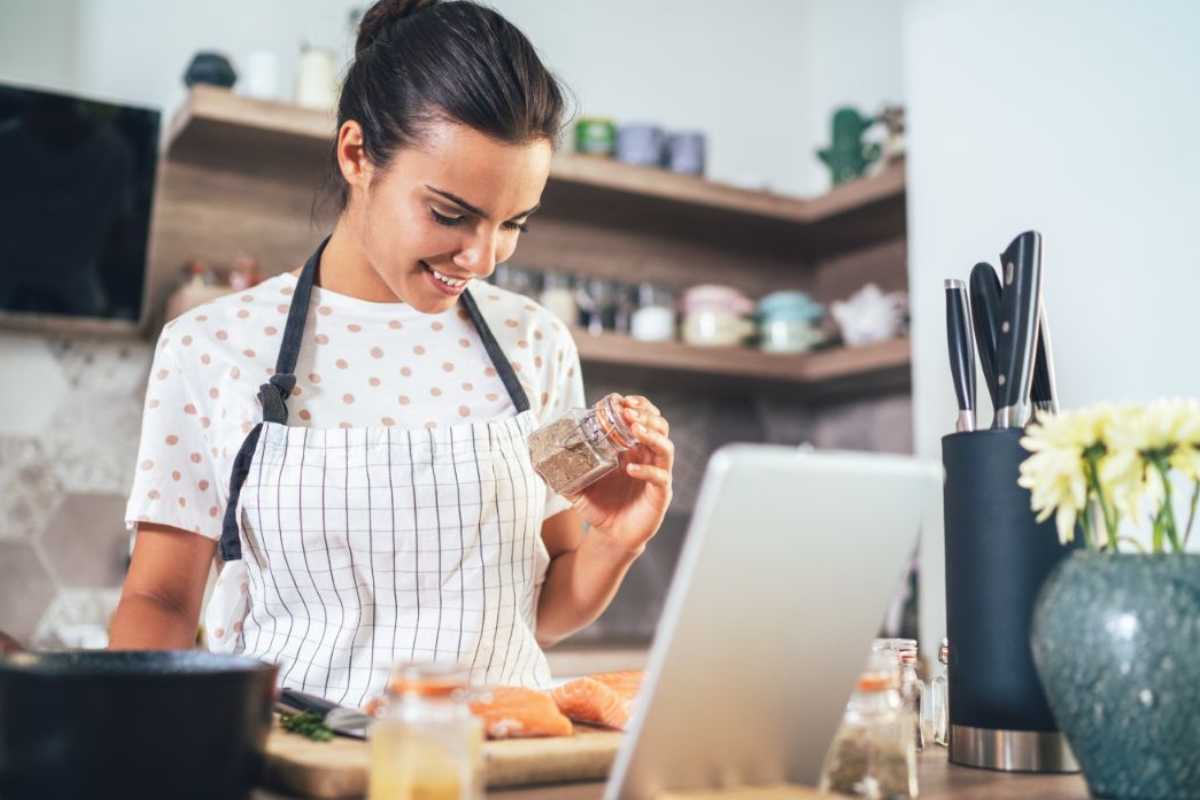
873 753
558 297
716 316
654 319
426 745
597 300
582 446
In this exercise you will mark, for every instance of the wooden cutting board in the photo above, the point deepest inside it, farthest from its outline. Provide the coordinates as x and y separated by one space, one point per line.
338 768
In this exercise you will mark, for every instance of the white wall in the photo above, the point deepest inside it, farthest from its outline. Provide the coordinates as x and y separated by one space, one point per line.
760 78
39 42
1078 118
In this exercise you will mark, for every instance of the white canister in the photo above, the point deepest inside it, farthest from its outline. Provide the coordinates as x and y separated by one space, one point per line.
316 79
653 324
260 76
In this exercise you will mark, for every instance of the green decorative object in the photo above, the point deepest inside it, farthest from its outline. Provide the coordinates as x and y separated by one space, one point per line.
848 156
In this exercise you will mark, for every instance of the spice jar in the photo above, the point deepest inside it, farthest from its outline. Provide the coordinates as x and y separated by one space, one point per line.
912 689
427 745
558 296
873 754
582 446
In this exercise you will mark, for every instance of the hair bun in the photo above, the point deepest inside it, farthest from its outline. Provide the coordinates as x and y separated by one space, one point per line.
383 13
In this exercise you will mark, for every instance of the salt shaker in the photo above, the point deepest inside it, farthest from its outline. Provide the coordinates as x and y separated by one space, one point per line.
582 446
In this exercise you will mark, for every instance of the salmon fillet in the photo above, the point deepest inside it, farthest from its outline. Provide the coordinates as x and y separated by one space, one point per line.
511 712
603 699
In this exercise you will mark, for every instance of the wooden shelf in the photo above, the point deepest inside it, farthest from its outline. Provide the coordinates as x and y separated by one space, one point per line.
878 366
218 123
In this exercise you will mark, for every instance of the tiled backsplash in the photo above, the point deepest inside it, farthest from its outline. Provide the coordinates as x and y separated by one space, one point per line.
70 419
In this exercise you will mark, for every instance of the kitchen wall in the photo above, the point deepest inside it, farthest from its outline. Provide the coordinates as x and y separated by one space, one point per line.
761 80
1076 118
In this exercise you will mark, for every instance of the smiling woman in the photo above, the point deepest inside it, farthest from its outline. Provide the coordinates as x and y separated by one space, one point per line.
374 500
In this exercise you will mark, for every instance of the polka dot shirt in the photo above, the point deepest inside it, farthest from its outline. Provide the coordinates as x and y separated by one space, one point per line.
361 364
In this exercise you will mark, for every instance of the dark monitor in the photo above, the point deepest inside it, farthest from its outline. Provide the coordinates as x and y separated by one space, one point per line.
76 191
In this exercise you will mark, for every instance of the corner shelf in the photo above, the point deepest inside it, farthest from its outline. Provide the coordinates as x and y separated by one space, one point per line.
218 122
883 366
283 143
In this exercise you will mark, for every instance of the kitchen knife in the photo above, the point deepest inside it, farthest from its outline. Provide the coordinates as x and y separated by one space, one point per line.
1021 292
985 314
339 719
961 340
1044 396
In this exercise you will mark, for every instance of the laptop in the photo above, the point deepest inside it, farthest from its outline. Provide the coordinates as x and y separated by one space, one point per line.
783 581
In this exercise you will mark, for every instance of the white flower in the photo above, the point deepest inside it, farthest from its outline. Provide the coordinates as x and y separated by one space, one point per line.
1055 474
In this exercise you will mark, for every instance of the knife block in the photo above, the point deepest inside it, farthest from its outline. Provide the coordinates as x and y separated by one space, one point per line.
997 557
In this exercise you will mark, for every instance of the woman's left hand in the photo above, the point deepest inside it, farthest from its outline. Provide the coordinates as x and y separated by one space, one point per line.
628 505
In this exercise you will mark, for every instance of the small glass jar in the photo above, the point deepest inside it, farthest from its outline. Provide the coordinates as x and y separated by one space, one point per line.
426 745
912 690
939 698
873 753
654 319
558 296
581 447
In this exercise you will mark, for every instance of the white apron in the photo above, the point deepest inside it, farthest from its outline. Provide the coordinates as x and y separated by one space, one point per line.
347 550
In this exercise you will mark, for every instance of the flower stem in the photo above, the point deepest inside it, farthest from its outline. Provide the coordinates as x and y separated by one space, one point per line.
1187 534
1093 476
1168 507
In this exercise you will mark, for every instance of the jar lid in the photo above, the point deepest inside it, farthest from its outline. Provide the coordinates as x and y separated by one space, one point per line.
716 298
608 414
427 679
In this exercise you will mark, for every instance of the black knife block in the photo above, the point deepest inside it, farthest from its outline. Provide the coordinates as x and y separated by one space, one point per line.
997 557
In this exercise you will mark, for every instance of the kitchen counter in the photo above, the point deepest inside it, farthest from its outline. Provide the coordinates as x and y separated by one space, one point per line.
939 780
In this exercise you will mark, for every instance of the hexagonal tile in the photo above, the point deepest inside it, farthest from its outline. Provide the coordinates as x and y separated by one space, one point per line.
31 491
105 366
29 405
77 618
26 589
96 452
86 544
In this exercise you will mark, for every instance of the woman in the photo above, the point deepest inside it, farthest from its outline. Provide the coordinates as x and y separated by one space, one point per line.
382 504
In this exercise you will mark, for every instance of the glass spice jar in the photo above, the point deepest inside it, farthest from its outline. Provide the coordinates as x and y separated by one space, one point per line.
426 745
582 446
873 754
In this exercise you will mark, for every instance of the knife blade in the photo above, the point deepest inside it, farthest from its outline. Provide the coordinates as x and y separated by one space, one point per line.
961 340
1021 278
985 314
1044 396
339 719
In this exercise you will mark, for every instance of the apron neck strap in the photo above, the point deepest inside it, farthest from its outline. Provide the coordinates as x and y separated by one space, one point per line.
500 361
273 394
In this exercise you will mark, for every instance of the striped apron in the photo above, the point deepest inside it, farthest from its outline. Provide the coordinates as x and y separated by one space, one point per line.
347 550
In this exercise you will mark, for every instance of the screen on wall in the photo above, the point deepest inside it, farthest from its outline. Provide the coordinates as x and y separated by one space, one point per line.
76 188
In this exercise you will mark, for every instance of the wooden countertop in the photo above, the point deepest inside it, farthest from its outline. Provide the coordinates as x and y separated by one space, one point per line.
939 780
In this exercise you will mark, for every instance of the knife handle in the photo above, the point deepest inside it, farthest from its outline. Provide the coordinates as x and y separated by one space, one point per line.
985 314
961 340
306 702
1021 276
1044 395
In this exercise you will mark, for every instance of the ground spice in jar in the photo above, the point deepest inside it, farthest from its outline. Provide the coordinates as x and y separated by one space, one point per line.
580 447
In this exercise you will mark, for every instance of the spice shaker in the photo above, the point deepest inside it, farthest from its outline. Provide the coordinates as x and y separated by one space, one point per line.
582 446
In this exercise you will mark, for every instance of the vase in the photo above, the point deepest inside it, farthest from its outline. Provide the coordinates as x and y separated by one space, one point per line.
1116 642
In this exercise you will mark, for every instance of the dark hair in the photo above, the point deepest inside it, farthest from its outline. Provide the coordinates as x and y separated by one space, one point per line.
420 60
